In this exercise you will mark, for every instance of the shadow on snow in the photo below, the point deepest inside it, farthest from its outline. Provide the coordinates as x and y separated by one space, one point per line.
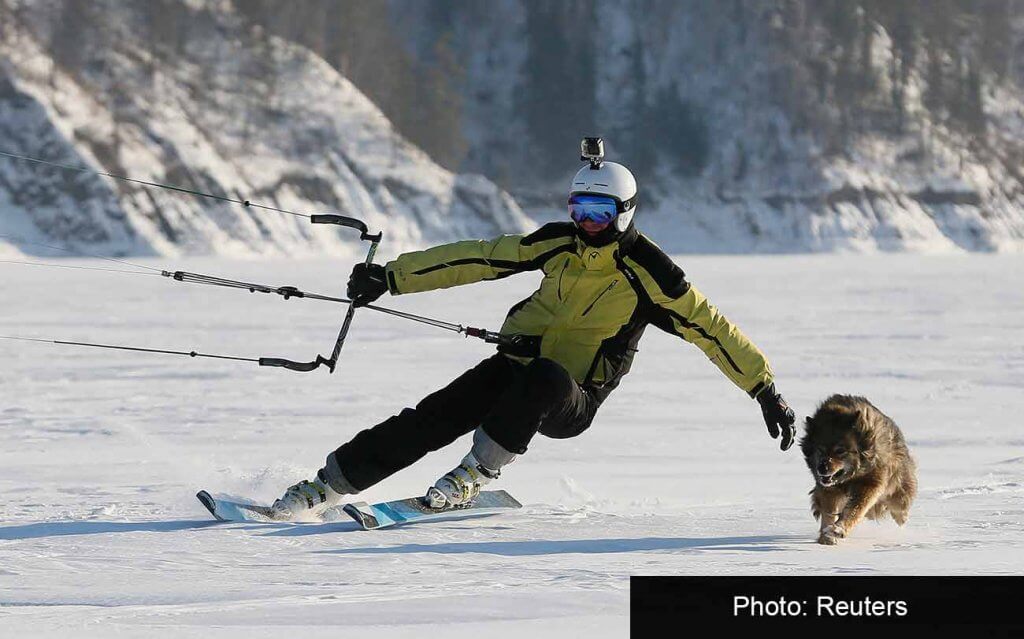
66 528
763 543
88 527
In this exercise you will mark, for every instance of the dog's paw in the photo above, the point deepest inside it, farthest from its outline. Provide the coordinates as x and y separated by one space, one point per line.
830 535
836 530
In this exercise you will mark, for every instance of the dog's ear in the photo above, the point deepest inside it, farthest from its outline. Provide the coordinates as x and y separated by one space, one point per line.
867 435
860 422
867 455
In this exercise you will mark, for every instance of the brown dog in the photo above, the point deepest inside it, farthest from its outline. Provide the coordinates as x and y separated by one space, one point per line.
860 463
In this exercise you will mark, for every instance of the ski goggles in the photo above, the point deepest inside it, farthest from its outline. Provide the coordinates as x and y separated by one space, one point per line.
597 208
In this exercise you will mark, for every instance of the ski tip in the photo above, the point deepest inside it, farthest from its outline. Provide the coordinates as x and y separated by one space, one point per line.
510 501
362 513
209 502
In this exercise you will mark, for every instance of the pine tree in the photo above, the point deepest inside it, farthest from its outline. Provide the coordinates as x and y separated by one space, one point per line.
440 116
559 96
69 38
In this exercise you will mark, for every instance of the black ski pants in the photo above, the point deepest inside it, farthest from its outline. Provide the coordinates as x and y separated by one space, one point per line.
511 401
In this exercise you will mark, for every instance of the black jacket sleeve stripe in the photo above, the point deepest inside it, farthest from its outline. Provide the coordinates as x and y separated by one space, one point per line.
550 231
670 278
513 267
685 323
469 260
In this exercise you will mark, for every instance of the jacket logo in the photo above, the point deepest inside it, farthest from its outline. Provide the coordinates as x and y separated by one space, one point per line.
594 255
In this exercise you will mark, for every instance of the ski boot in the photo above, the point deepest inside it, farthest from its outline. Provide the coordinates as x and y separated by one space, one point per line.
305 498
460 486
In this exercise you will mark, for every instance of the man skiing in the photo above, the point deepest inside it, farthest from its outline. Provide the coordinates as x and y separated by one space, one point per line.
566 347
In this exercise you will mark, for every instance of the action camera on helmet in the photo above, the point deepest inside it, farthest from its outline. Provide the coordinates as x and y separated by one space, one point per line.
592 150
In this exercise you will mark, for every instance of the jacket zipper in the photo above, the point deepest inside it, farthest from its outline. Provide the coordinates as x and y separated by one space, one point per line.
560 275
607 288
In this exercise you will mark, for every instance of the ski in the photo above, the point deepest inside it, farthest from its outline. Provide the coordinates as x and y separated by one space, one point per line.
404 511
368 516
233 509
228 510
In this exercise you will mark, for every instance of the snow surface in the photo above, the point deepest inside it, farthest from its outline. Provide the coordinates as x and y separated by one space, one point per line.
101 452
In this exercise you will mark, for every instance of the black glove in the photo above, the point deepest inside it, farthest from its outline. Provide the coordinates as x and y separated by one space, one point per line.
777 415
367 283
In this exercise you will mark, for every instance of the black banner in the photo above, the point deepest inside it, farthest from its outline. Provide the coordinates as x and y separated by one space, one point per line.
869 606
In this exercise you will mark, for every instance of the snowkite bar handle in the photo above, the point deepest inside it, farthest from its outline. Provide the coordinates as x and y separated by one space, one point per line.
301 367
351 222
332 362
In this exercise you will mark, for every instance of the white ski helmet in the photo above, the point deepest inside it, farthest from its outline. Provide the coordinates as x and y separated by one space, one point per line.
613 180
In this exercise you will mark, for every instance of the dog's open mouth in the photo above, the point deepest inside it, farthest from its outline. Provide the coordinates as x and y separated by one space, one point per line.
829 480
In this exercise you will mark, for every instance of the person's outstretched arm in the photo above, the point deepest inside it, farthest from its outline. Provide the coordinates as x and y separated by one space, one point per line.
693 318
682 310
471 261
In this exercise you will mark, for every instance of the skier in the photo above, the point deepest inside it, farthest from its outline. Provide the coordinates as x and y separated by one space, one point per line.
566 347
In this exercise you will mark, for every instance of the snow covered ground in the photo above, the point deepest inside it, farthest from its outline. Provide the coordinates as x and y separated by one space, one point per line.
101 452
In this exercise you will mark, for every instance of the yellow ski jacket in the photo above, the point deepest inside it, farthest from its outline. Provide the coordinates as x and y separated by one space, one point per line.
593 304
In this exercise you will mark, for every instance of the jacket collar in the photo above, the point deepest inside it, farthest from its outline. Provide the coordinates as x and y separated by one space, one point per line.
601 257
627 240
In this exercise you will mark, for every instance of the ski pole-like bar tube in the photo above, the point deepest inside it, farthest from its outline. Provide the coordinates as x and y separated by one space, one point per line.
333 362
290 291
429 321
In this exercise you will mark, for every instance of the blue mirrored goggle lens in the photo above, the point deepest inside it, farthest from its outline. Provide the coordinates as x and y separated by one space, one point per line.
591 207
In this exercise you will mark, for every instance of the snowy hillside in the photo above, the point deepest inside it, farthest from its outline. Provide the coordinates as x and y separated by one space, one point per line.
768 126
755 126
102 452
226 110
